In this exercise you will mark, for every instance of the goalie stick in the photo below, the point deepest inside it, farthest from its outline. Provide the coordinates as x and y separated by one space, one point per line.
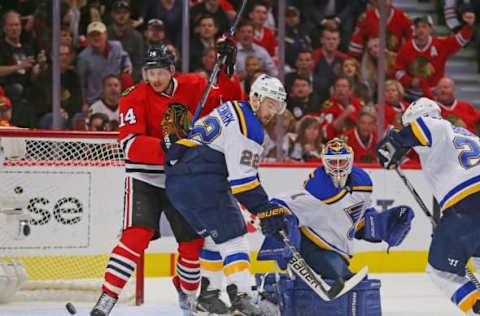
426 211
314 281
217 66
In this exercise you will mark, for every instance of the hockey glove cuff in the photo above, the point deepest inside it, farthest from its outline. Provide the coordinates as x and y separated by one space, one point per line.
390 151
272 220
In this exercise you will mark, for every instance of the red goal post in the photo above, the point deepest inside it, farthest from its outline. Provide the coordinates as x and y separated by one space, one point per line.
70 185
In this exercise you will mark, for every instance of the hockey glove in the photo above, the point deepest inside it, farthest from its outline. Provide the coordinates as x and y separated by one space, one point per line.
391 226
390 151
175 124
272 220
273 249
227 48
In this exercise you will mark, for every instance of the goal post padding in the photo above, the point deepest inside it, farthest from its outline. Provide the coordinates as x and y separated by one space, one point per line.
73 184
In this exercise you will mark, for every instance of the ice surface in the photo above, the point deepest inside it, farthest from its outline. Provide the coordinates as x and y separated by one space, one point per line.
402 295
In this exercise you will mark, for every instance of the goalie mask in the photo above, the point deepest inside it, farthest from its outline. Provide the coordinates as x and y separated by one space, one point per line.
421 107
265 86
337 158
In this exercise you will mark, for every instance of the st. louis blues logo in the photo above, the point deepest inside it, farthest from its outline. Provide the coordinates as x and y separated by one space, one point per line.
355 214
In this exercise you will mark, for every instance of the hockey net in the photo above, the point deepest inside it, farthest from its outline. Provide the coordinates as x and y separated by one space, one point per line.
67 188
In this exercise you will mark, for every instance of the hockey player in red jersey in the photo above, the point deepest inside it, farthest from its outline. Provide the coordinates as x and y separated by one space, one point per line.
141 111
399 29
421 61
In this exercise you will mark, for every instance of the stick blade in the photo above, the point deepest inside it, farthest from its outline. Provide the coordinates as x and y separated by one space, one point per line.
352 282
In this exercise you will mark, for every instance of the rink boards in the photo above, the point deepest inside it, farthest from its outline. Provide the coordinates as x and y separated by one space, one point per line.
77 212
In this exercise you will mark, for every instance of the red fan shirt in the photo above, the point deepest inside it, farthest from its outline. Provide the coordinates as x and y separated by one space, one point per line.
267 40
461 114
363 152
331 110
399 29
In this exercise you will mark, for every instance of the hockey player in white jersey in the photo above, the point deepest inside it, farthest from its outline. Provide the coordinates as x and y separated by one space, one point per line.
217 164
450 158
334 207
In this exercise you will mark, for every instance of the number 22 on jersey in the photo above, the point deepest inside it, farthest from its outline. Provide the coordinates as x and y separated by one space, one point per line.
469 155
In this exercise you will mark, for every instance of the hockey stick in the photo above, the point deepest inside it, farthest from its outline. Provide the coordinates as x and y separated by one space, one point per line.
314 281
217 66
425 210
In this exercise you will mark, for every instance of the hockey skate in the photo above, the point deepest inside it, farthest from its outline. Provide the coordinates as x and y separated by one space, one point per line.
476 307
104 305
241 303
187 302
209 301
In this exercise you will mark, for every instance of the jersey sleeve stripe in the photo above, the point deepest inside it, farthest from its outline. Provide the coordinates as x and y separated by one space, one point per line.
419 134
187 142
335 198
245 187
466 296
242 181
241 118
363 188
317 240
460 192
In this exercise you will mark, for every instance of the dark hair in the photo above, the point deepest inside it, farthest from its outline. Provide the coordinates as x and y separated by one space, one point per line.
302 77
259 3
342 77
110 77
303 124
207 16
245 22
331 30
101 116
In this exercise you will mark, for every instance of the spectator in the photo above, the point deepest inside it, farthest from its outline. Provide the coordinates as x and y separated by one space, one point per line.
170 12
66 36
458 112
246 47
205 39
212 8
339 113
394 104
208 60
263 36
98 122
309 142
328 61
16 62
98 60
333 14
301 100
108 104
176 56
155 34
92 11
279 134
296 37
132 41
5 112
399 29
420 63
71 99
253 65
351 70
304 66
363 137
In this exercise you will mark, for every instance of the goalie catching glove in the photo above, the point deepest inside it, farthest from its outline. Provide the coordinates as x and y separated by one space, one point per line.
391 226
175 124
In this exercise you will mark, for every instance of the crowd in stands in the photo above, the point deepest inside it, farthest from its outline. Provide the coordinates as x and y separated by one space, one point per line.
331 63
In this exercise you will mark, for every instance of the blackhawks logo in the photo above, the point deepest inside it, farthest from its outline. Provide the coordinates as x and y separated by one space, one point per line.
128 90
421 67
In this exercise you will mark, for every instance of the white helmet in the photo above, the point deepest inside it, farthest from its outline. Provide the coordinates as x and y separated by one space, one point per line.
267 86
421 107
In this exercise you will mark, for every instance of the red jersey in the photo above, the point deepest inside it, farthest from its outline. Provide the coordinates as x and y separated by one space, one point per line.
428 63
362 152
399 29
267 40
140 113
392 112
331 109
461 114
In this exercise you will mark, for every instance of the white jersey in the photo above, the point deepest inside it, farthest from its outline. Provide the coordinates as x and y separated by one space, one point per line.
450 158
234 130
327 215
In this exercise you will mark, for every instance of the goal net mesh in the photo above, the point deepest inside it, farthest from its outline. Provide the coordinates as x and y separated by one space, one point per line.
68 189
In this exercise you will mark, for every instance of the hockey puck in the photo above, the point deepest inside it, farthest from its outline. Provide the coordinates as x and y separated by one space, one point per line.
70 308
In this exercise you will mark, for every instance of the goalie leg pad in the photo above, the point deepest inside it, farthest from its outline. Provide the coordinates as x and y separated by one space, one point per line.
297 298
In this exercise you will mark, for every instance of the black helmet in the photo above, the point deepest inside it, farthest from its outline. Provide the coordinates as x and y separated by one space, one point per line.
160 57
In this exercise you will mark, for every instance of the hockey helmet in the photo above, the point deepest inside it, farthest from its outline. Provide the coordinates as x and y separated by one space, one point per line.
421 107
337 158
160 57
267 86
